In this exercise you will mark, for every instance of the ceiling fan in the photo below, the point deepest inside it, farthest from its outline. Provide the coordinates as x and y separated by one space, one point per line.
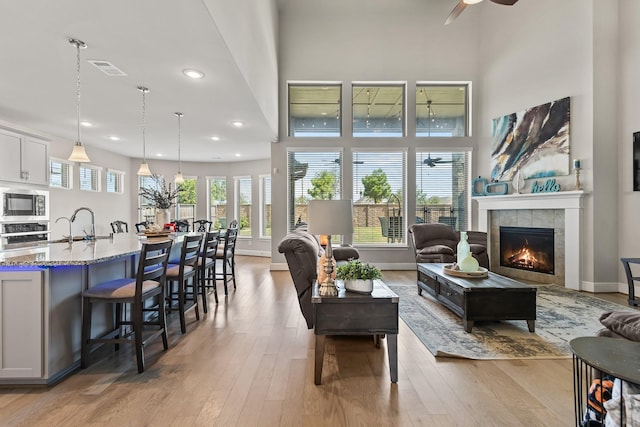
435 161
462 5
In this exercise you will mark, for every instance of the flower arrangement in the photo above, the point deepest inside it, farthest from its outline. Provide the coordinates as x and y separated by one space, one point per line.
355 269
160 195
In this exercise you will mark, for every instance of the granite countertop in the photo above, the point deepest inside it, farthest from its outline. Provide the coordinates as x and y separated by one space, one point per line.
77 253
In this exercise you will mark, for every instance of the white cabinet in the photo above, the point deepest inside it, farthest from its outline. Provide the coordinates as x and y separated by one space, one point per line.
24 158
21 324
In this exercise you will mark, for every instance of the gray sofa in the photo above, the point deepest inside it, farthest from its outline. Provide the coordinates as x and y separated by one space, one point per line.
302 252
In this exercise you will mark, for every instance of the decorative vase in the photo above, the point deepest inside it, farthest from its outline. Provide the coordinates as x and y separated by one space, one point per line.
163 216
363 286
463 249
469 264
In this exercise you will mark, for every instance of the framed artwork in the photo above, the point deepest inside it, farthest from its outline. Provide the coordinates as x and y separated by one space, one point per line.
534 141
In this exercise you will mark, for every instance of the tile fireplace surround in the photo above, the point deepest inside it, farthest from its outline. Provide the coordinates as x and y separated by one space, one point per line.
562 211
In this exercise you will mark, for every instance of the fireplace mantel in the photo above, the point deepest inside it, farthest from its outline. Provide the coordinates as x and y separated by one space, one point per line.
569 201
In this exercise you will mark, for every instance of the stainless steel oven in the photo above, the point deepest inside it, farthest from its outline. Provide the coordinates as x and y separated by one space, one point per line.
24 205
24 232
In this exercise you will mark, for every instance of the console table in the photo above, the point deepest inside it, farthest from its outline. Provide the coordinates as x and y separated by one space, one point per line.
350 313
492 298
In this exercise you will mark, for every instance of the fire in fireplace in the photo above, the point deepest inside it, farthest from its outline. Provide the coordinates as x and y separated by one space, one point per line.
527 248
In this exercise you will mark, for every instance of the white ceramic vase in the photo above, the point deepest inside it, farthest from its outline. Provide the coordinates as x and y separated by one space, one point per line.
363 286
163 216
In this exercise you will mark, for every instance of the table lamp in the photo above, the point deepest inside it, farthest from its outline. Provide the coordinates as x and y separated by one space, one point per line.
330 217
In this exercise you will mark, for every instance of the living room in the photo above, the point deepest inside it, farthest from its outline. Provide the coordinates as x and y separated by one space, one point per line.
251 362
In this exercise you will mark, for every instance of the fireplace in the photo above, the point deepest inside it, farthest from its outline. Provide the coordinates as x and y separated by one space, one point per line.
527 248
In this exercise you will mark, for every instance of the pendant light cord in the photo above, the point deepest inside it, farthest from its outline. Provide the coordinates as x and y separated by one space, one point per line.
179 149
144 91
78 86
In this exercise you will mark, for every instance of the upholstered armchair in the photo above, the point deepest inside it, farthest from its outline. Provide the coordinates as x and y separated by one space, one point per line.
438 242
302 251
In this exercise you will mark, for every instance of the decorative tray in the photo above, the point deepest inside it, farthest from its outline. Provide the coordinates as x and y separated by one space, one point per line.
481 273
157 233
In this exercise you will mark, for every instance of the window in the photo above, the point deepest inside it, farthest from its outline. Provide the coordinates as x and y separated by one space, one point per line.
314 110
90 178
60 173
243 205
115 181
442 182
146 207
379 189
311 175
378 111
265 205
442 109
186 206
217 202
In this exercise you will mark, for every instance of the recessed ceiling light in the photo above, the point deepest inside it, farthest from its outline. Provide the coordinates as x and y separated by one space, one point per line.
114 138
159 155
193 74
237 123
86 124
215 138
237 154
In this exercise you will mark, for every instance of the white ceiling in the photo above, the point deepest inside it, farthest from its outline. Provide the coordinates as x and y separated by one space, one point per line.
152 41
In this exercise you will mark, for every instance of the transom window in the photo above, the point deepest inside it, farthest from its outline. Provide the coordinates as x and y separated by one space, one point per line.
90 178
60 173
442 109
315 110
378 111
115 181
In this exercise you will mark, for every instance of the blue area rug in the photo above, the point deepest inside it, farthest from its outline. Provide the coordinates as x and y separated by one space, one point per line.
562 314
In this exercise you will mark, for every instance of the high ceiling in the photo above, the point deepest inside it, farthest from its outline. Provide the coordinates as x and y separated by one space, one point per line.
152 42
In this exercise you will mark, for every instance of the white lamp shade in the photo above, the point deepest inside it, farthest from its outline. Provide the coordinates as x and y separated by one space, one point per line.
79 154
144 170
179 179
330 217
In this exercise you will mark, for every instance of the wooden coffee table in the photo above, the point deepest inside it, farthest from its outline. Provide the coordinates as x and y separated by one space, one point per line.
475 299
350 313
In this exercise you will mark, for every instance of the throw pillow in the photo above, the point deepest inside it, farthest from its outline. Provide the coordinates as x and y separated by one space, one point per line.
625 323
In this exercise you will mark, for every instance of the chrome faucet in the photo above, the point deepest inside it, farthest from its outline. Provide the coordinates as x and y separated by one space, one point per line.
92 234
70 236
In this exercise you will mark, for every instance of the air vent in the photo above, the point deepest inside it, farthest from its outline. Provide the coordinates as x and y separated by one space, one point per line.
107 67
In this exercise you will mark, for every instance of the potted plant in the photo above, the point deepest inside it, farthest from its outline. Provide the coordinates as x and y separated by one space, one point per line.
357 276
162 197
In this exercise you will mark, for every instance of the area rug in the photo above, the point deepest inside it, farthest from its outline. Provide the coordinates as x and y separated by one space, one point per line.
562 315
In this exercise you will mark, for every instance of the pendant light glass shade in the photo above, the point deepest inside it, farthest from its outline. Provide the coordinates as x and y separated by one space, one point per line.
78 154
143 170
179 179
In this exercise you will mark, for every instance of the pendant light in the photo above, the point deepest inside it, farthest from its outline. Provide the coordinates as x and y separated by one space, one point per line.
144 167
78 154
179 178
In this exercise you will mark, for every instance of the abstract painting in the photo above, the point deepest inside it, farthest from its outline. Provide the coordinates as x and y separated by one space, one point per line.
534 141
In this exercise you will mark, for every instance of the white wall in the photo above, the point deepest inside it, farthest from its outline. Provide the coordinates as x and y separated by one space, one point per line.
368 40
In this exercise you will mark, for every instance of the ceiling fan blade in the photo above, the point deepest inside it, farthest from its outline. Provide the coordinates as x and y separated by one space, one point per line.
505 2
456 12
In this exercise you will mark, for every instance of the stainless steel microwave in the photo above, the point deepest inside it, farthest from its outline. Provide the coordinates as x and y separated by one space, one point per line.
24 205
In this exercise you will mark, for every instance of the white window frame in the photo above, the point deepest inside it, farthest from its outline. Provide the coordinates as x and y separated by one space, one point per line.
263 205
236 193
226 204
97 172
69 173
119 181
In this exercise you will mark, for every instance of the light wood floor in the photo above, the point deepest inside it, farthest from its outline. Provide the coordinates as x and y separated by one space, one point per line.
249 362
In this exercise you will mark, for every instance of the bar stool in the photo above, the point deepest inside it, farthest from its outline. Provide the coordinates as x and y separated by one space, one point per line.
227 256
207 265
142 226
181 275
118 226
148 285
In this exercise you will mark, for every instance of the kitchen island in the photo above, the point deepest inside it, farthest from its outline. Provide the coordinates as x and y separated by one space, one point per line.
41 303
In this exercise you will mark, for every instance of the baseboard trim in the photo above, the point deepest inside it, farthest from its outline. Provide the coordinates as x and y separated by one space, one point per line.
600 287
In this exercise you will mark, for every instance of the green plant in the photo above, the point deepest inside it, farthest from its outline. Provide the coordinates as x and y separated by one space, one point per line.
355 269
160 195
